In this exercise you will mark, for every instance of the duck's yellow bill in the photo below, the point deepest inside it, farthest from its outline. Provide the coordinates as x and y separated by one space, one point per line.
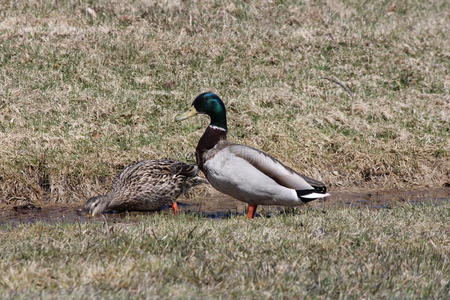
186 115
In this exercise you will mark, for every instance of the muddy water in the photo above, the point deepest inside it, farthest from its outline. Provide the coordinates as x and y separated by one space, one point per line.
218 205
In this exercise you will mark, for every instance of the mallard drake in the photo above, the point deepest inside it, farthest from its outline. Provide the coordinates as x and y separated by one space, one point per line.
147 185
243 172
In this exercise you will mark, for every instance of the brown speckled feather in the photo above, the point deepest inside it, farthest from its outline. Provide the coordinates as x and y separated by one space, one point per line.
147 185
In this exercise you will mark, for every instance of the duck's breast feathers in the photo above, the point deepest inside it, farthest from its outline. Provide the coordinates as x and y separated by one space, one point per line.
274 169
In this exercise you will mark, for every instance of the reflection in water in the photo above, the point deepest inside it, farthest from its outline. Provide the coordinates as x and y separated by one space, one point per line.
221 206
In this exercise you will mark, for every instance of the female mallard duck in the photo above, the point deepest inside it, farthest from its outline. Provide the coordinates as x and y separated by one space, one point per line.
147 185
243 172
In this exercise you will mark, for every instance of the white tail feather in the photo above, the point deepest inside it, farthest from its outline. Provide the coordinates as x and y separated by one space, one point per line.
315 196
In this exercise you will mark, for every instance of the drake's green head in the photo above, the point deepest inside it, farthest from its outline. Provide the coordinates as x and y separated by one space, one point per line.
210 104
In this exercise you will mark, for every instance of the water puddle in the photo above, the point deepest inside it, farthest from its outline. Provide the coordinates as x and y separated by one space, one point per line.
218 205
223 206
387 199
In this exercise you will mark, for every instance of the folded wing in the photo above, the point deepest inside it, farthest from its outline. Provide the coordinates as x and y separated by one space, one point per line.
274 169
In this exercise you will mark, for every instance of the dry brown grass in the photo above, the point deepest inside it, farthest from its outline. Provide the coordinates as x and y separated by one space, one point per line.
89 86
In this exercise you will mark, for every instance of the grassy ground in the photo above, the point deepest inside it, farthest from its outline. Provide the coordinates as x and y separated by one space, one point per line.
89 86
339 253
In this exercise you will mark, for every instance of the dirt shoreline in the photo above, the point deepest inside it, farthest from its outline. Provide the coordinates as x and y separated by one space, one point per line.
217 205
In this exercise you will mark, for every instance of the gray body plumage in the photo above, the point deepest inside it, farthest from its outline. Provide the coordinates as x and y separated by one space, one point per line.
146 185
257 178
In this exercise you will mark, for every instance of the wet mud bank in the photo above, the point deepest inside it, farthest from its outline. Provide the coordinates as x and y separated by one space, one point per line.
219 206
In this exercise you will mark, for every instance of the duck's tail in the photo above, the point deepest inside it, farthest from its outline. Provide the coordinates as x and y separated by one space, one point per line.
310 195
182 168
196 181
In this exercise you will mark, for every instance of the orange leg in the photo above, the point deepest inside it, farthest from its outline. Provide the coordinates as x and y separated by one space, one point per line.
251 211
175 209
